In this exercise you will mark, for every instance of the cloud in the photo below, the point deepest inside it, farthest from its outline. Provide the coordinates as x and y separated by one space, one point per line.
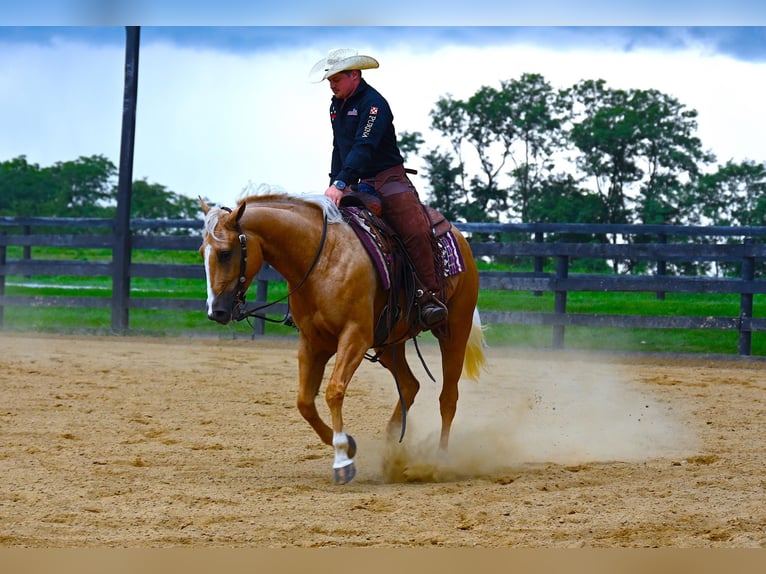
219 108
396 13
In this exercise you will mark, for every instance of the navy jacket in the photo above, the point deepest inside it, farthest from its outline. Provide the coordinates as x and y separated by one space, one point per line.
364 139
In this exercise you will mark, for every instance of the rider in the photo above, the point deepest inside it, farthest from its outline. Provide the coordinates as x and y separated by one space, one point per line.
365 152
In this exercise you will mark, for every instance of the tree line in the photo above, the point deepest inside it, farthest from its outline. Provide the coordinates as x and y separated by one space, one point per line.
520 152
85 187
527 152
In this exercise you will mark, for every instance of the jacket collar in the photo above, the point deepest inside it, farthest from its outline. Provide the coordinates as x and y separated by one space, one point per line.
360 89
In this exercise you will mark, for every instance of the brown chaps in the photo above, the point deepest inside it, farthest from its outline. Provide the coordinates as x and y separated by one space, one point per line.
404 212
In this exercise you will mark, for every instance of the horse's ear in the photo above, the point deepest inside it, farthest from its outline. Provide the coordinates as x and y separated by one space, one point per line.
205 206
241 211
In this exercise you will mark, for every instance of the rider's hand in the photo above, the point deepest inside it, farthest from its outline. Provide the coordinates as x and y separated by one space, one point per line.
334 193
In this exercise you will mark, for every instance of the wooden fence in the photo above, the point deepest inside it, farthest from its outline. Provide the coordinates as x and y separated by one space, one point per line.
658 244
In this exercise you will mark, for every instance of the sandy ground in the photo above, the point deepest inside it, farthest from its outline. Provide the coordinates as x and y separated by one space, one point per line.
134 442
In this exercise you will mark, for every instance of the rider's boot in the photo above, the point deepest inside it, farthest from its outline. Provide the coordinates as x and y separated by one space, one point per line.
405 214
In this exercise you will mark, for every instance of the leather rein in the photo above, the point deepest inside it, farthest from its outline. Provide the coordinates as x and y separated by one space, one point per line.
240 312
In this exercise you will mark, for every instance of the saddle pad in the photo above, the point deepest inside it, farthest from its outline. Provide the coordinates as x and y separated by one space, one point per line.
452 258
380 254
381 257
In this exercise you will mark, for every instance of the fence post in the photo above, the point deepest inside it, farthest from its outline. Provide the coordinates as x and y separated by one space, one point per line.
560 300
662 265
27 251
539 237
3 260
261 295
121 250
746 305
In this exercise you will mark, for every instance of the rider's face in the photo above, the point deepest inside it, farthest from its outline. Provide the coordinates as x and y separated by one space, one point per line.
343 84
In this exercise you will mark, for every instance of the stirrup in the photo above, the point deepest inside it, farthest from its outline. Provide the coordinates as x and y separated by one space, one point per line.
432 311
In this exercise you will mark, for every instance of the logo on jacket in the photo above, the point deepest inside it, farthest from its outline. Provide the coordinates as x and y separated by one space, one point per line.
374 111
370 122
353 112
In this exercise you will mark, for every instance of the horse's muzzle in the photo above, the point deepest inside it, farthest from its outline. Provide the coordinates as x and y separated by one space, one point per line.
219 316
223 308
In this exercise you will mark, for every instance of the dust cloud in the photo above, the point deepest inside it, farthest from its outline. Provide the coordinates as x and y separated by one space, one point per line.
569 411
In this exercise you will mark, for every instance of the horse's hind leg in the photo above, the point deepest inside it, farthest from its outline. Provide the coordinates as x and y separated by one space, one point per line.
453 357
394 359
447 408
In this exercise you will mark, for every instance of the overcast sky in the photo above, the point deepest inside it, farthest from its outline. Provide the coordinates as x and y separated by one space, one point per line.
222 107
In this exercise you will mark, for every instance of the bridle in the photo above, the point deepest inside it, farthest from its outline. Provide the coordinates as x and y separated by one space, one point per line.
239 310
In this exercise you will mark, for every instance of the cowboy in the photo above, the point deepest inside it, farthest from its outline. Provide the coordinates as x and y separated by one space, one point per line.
365 154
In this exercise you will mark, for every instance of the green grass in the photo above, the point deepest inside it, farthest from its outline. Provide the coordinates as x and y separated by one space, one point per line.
621 303
185 323
619 339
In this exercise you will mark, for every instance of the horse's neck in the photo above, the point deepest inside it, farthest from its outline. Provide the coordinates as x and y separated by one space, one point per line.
289 238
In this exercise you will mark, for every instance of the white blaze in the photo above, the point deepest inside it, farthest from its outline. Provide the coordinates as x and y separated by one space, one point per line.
210 295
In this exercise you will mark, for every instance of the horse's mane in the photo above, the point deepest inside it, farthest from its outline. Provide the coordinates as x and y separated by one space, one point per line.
276 200
287 201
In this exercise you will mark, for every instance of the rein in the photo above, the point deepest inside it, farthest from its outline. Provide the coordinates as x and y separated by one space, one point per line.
240 312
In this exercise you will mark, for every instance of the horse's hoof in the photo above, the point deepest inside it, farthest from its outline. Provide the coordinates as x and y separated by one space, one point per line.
345 474
351 446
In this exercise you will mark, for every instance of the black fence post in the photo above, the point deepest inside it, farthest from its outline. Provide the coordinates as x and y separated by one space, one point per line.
662 265
3 261
121 251
746 305
261 295
560 300
27 251
539 238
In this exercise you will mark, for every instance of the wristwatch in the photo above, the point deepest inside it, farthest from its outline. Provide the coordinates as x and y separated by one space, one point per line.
341 185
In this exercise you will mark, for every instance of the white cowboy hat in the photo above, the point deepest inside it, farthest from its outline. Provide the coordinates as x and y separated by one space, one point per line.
339 60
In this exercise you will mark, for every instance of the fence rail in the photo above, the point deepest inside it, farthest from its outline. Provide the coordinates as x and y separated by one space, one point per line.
743 246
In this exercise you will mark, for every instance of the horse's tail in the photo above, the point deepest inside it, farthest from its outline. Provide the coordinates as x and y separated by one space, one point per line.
475 360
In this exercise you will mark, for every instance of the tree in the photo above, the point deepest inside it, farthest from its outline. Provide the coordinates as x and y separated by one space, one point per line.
24 188
560 199
672 154
155 201
84 187
80 188
735 194
606 133
409 142
518 123
535 114
474 123
447 195
448 118
638 146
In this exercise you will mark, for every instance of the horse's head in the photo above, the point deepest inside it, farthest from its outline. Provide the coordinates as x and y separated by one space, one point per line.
225 253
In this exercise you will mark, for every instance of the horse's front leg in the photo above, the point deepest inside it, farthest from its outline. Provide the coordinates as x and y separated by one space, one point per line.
311 366
349 356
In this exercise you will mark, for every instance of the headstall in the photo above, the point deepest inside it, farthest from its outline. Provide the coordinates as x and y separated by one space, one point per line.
240 311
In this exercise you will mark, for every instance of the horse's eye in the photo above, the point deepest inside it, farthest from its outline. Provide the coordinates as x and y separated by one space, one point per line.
224 256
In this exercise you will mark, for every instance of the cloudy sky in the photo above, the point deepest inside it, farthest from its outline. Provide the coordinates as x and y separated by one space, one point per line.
221 107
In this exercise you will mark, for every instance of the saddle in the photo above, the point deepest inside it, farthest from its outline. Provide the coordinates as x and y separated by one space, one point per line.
362 212
439 224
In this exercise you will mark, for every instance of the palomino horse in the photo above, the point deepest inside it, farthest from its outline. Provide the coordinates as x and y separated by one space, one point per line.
336 295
